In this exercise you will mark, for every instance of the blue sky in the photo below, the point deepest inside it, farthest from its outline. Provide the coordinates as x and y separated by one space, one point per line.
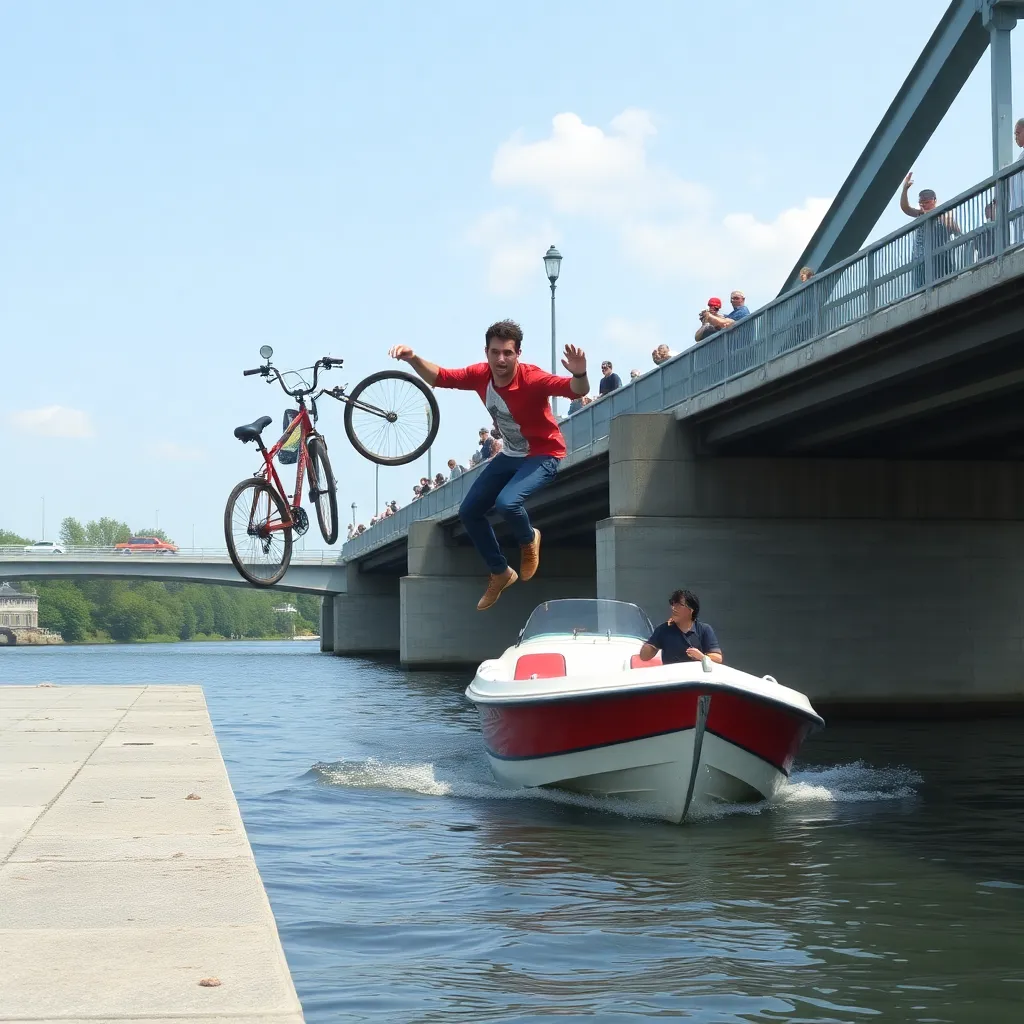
184 183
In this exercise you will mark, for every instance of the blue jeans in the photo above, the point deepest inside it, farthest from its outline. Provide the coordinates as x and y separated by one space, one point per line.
504 484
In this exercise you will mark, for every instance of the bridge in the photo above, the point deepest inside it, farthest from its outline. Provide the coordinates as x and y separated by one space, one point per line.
838 476
310 572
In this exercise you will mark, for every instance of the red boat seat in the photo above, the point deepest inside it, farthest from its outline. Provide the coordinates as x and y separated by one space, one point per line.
635 661
540 666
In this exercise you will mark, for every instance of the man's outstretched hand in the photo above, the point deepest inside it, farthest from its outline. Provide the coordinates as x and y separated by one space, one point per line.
575 360
403 352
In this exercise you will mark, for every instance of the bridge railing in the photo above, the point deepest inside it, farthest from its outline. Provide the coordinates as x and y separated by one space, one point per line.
17 553
978 225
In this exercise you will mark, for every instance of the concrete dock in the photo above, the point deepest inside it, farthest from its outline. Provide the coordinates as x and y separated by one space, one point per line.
128 890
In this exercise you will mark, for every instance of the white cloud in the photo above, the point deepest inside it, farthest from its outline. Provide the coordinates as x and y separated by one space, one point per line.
672 226
582 169
171 451
732 251
514 248
52 421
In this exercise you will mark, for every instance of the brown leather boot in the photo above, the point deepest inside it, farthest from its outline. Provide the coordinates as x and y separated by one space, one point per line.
496 583
530 557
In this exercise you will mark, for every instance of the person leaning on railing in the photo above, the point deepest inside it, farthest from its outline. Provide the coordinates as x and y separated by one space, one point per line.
707 328
738 312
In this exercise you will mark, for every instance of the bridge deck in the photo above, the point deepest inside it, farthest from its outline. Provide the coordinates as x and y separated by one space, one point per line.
119 894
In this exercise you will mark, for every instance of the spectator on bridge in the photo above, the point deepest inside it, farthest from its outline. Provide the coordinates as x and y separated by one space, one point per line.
944 228
425 486
633 374
805 274
706 328
609 380
739 310
439 480
416 491
360 529
454 469
683 637
662 353
486 444
1016 185
578 403
351 531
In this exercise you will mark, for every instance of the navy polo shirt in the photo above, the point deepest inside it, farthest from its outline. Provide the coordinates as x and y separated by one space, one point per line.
609 384
673 642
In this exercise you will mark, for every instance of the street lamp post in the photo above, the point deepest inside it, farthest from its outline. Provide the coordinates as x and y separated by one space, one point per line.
552 267
353 514
430 450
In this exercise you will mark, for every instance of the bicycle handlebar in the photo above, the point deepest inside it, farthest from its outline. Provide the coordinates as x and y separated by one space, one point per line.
325 361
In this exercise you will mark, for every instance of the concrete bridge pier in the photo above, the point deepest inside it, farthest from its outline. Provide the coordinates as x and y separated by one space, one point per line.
860 582
440 625
364 619
327 624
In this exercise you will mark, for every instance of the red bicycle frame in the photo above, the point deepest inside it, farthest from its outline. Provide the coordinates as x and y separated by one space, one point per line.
269 472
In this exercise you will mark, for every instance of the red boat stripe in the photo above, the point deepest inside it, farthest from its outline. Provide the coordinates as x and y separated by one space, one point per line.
514 731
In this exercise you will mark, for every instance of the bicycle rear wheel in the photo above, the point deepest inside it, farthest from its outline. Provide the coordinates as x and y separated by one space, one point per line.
260 554
391 418
323 491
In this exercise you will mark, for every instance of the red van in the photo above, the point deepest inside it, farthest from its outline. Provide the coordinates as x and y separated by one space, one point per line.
146 546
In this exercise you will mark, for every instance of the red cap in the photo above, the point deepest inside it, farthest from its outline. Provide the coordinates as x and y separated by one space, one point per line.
716 303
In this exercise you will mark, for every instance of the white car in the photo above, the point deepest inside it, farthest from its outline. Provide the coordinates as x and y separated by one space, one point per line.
44 547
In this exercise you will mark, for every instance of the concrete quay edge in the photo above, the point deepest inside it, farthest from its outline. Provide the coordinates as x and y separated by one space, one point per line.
126 876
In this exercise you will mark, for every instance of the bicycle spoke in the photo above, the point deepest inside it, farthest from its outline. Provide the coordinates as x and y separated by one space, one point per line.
405 424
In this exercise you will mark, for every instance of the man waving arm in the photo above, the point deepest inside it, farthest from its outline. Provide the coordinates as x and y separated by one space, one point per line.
575 361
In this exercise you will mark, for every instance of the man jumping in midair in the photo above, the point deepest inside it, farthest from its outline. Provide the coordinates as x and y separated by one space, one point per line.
516 395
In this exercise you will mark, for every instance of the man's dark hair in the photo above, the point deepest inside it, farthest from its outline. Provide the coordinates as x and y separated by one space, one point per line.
687 597
504 330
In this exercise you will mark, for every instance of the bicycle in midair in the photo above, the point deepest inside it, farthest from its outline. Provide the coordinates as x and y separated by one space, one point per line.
391 418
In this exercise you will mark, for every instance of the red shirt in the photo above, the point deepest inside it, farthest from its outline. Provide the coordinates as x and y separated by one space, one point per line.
520 409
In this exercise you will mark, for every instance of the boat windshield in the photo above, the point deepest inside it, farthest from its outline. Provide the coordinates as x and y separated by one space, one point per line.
587 616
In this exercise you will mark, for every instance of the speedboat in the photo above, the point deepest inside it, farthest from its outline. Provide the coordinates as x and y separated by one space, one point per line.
572 706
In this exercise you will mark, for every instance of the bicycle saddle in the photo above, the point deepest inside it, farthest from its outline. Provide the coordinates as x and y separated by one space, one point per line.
251 431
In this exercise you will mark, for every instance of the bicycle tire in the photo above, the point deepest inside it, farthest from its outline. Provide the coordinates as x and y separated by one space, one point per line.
247 562
320 473
369 448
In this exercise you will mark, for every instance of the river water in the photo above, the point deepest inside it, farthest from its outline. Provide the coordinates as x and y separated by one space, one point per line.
887 882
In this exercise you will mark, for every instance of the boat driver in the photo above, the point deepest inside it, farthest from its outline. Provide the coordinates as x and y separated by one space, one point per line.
683 637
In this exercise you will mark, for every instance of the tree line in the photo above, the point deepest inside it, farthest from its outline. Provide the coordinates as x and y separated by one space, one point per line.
99 610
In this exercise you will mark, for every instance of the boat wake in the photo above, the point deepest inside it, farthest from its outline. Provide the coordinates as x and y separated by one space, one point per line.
856 782
426 780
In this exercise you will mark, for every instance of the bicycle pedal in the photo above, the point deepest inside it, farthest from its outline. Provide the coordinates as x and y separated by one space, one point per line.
300 521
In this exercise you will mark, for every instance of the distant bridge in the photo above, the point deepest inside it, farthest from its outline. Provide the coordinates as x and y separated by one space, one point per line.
311 572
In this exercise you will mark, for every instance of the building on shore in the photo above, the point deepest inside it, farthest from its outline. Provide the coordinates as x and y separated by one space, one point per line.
19 619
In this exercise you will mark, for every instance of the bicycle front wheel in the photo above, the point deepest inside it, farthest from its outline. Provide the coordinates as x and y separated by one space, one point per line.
323 491
391 418
259 545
